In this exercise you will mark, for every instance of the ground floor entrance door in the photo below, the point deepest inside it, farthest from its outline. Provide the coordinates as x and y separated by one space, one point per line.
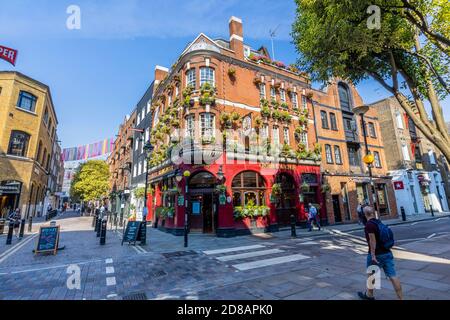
336 209
202 213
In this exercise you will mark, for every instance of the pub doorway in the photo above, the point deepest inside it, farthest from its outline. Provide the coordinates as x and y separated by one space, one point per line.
286 206
9 197
202 216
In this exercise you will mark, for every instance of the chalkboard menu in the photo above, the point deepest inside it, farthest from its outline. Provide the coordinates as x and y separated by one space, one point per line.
48 240
131 232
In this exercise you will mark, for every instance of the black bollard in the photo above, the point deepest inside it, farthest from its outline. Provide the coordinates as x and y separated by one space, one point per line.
431 209
22 228
185 236
402 210
30 224
10 233
293 227
99 227
143 233
103 227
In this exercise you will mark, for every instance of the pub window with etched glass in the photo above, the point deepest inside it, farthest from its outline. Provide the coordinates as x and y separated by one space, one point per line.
248 189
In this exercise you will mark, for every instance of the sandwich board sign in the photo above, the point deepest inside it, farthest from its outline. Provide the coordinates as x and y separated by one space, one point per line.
48 240
132 232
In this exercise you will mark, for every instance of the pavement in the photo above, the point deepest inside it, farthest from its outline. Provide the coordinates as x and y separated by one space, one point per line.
329 264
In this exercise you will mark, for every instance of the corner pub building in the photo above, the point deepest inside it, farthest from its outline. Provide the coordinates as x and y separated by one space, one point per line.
233 145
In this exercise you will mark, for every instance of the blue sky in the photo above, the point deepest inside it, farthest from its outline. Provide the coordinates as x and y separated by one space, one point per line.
99 73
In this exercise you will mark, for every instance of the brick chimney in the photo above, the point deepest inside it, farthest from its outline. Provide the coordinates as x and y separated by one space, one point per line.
160 74
237 37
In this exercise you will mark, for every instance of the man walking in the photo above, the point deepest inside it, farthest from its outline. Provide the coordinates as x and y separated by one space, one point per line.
313 217
380 240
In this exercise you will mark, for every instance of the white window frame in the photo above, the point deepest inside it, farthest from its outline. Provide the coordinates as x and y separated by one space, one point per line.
294 99
405 152
304 139
399 120
377 161
431 157
286 135
135 170
138 119
262 91
273 93
304 102
276 135
139 168
143 114
207 75
149 106
190 126
283 95
207 124
191 78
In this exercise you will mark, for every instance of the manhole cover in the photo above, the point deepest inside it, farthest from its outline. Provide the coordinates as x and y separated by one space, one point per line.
179 254
136 296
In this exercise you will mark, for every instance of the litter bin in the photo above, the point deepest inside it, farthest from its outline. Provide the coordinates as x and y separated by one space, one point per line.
2 225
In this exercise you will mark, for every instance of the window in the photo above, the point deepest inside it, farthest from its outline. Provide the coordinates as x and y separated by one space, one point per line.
207 76
265 131
46 116
337 155
147 135
324 118
273 93
169 99
283 95
276 135
294 100
333 121
286 136
372 131
207 124
136 145
377 161
156 118
50 125
248 188
139 169
138 119
143 114
262 91
304 139
304 102
27 101
149 106
190 78
405 152
353 156
38 154
18 144
431 157
190 129
135 170
399 120
43 157
344 97
328 153
0 90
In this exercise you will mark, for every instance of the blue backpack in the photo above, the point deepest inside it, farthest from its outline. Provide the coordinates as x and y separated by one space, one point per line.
386 234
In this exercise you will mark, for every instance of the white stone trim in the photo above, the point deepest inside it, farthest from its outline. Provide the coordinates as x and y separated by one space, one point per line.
235 36
162 68
233 18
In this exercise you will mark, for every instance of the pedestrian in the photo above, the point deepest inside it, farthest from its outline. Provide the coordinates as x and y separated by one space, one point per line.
361 216
15 217
380 240
313 216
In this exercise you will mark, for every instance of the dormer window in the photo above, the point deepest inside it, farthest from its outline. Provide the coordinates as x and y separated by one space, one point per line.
344 97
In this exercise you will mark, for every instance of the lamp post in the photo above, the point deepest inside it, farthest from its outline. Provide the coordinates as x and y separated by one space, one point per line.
369 158
179 177
148 148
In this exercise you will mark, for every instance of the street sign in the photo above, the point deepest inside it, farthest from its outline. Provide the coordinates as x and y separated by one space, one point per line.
48 240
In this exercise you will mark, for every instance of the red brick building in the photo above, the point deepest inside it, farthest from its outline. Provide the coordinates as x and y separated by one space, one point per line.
236 146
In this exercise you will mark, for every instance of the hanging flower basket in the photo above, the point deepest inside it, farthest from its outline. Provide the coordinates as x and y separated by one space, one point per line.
326 188
305 187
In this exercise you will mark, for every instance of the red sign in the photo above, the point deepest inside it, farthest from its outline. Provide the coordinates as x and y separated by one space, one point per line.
398 185
8 54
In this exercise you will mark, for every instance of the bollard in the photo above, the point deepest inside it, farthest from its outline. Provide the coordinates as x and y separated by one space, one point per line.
103 227
144 233
293 227
185 236
10 233
99 227
402 210
30 224
22 228
2 226
431 209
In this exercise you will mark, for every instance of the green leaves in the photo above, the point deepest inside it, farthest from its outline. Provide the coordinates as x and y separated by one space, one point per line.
91 181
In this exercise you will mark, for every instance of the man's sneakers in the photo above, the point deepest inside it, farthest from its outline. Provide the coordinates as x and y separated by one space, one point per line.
364 296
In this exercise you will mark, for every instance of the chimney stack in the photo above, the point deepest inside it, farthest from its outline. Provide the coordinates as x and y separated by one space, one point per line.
237 37
160 74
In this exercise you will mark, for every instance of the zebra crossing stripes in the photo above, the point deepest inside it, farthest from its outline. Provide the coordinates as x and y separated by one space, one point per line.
267 257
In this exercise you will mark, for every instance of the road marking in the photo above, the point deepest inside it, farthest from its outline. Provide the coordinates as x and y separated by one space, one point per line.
111 281
249 255
431 236
227 250
111 296
16 248
54 267
109 270
109 261
308 243
269 262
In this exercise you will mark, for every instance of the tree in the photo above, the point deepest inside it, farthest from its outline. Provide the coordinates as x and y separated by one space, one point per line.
407 56
91 181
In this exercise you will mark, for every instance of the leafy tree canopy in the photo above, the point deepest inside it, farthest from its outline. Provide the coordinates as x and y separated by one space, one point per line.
91 181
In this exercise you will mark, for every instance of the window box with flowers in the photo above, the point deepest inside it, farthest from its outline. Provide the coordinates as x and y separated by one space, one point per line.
187 97
232 73
274 104
285 116
284 106
276 192
207 95
225 120
265 112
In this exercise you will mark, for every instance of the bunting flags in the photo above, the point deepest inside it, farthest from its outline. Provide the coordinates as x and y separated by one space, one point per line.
89 151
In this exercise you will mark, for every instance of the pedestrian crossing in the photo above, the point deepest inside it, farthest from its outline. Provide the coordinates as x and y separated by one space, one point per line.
245 258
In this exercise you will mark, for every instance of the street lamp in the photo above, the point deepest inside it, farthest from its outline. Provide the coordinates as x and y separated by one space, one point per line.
368 158
179 176
220 174
148 148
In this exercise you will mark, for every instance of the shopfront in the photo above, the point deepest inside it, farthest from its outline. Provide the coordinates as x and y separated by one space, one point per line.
9 196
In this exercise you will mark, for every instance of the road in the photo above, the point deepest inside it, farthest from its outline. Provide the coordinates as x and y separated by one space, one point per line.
326 266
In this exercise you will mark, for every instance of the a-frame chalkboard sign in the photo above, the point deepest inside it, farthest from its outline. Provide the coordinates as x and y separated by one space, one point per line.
132 232
48 240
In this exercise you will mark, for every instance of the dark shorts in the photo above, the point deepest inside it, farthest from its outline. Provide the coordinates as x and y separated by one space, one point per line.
386 262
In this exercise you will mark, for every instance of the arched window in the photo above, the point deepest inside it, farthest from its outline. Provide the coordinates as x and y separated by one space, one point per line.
344 97
18 143
248 188
44 157
202 180
38 154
